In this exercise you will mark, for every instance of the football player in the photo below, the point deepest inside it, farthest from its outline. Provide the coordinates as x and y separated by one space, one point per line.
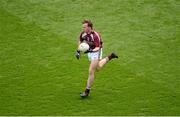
94 53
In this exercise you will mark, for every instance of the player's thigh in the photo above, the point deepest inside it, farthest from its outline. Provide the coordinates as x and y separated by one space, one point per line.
93 65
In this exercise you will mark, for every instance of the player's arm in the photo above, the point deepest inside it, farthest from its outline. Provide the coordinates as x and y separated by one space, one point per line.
94 46
93 50
78 53
96 49
97 43
80 40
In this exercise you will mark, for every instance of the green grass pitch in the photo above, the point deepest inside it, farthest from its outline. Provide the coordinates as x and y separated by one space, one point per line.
39 74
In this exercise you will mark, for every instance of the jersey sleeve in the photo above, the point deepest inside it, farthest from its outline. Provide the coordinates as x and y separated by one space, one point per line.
97 40
80 37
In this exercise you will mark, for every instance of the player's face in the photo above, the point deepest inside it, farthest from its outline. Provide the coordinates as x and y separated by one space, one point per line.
86 28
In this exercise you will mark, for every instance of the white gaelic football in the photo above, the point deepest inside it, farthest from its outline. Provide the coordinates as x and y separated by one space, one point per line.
83 47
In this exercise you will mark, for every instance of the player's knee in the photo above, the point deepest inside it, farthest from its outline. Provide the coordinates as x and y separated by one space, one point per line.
91 71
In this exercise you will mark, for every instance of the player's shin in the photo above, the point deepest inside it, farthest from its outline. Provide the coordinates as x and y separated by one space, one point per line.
102 63
90 79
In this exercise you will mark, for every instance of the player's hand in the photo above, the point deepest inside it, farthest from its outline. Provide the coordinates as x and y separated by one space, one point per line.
78 54
90 50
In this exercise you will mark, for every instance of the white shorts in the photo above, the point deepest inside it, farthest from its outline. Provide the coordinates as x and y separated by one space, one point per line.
95 55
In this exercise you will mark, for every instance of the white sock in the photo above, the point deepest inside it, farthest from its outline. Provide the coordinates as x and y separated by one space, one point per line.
88 88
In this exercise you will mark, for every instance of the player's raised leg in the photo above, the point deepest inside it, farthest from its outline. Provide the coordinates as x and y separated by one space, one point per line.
105 60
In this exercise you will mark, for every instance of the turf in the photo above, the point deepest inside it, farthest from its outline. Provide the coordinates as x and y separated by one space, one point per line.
39 74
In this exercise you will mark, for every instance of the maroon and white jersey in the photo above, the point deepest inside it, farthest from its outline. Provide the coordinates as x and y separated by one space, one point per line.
92 37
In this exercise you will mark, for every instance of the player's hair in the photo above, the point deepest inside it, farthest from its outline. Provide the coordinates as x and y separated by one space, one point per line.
90 24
